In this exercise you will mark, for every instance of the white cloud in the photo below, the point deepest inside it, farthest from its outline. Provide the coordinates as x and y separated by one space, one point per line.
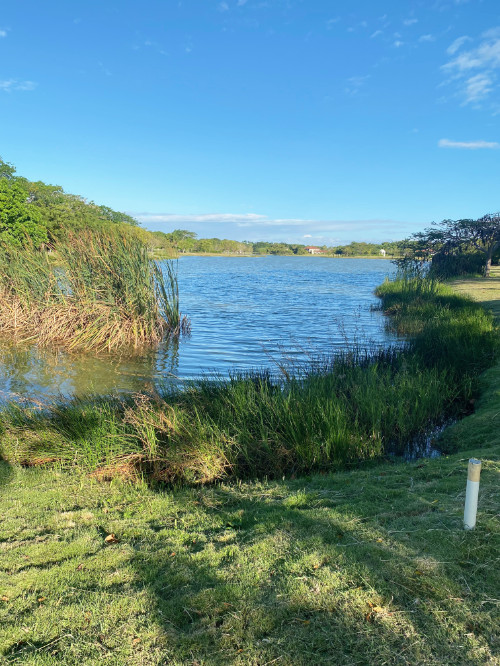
12 84
376 34
468 145
242 2
457 44
398 43
223 7
410 21
477 88
211 217
3 33
426 38
474 70
261 227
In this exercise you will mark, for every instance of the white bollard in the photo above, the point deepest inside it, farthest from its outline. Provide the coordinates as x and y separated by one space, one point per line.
471 494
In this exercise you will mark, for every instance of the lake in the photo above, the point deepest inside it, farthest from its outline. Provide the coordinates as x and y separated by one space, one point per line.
246 312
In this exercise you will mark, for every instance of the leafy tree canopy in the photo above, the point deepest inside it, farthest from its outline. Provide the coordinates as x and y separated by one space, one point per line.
20 221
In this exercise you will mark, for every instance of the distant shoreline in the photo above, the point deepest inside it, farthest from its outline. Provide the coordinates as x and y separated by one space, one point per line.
261 256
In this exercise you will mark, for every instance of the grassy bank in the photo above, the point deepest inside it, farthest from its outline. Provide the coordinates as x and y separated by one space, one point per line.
356 407
104 293
362 567
369 566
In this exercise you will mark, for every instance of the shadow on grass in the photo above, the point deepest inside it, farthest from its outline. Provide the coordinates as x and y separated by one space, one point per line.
287 588
6 473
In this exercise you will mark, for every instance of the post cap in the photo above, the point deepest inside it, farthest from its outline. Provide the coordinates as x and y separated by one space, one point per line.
474 469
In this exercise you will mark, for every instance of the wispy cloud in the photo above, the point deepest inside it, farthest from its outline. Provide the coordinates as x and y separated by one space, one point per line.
457 44
223 7
475 69
11 85
410 21
426 38
355 83
172 218
331 22
478 87
468 145
252 226
377 33
3 33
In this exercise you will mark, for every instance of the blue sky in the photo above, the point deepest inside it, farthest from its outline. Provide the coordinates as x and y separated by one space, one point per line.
294 120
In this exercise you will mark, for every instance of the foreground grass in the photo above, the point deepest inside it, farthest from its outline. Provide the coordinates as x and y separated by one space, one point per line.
363 567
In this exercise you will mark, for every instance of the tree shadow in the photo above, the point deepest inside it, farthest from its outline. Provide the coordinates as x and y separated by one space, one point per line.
6 473
279 586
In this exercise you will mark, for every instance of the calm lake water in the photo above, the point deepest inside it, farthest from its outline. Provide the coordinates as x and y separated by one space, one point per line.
245 312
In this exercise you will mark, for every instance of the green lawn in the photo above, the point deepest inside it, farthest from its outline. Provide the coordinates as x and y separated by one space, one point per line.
370 566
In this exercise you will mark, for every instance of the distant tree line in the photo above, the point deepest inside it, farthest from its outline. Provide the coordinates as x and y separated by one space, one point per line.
182 241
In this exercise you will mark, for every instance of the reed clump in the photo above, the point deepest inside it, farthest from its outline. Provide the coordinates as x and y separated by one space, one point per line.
105 294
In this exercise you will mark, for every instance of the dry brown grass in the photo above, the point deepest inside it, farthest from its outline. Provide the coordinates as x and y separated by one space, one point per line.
84 326
107 293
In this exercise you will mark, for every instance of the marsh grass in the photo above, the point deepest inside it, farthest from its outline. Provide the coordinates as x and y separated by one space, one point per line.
107 294
354 407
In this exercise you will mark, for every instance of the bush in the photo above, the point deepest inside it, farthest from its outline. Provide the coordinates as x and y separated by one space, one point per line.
446 266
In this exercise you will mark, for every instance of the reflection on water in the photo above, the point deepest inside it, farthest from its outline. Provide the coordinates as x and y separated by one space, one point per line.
245 313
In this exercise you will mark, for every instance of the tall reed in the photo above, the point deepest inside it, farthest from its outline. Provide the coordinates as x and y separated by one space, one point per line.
106 294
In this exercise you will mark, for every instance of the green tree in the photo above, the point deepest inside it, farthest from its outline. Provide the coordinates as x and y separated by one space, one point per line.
20 221
449 236
6 170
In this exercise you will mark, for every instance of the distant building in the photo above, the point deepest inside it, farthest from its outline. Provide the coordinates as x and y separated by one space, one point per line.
382 252
313 249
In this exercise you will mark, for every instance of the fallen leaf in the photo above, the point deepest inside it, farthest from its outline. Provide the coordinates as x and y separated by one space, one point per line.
111 538
40 599
379 540
378 609
135 641
172 554
4 598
